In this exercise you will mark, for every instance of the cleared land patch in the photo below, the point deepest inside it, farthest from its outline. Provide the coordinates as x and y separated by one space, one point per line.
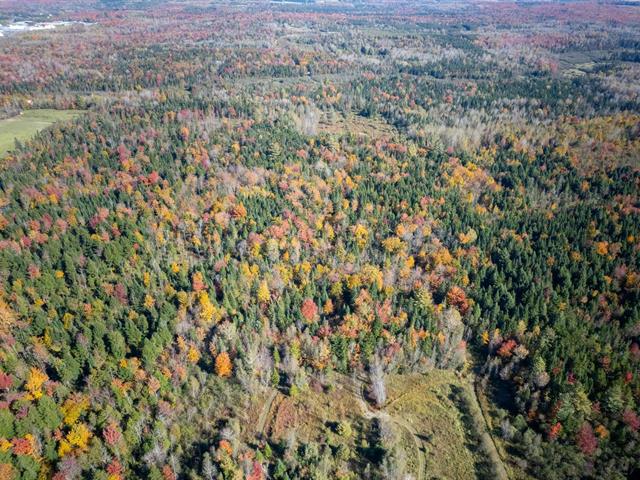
356 124
24 126
429 405
433 414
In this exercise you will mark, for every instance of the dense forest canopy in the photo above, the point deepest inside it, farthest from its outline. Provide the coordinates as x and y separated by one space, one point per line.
274 231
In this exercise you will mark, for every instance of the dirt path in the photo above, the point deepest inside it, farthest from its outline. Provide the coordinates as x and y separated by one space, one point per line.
420 446
264 413
369 413
474 408
488 442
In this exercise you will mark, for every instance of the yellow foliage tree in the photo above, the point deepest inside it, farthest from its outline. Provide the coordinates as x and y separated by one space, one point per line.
6 471
193 355
602 248
327 309
263 292
79 436
74 407
209 313
149 302
361 235
64 448
468 237
392 244
34 383
424 298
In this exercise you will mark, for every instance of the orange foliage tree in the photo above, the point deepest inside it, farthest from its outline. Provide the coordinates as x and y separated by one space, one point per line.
223 365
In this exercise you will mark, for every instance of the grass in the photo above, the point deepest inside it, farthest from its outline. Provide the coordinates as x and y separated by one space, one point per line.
428 404
311 414
30 122
439 431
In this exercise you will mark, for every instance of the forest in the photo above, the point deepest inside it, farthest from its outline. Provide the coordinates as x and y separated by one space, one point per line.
319 240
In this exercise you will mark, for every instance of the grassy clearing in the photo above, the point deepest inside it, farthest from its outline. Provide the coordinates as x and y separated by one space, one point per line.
25 126
430 405
310 417
439 425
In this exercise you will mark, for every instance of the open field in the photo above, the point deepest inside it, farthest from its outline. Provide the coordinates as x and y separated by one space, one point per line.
433 417
427 405
24 126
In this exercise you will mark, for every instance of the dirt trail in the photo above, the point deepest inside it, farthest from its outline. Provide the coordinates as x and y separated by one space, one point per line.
265 412
488 442
356 385
369 413
499 470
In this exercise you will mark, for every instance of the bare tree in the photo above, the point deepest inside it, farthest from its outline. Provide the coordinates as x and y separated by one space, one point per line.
452 328
306 119
377 388
209 471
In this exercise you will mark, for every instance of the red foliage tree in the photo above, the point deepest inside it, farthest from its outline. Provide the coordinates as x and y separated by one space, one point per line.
153 177
630 418
34 271
586 440
197 282
167 473
256 472
5 381
554 431
309 309
111 434
506 348
115 468
120 293
123 153
22 446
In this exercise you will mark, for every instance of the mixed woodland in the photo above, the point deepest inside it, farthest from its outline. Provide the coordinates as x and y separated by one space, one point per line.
275 197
